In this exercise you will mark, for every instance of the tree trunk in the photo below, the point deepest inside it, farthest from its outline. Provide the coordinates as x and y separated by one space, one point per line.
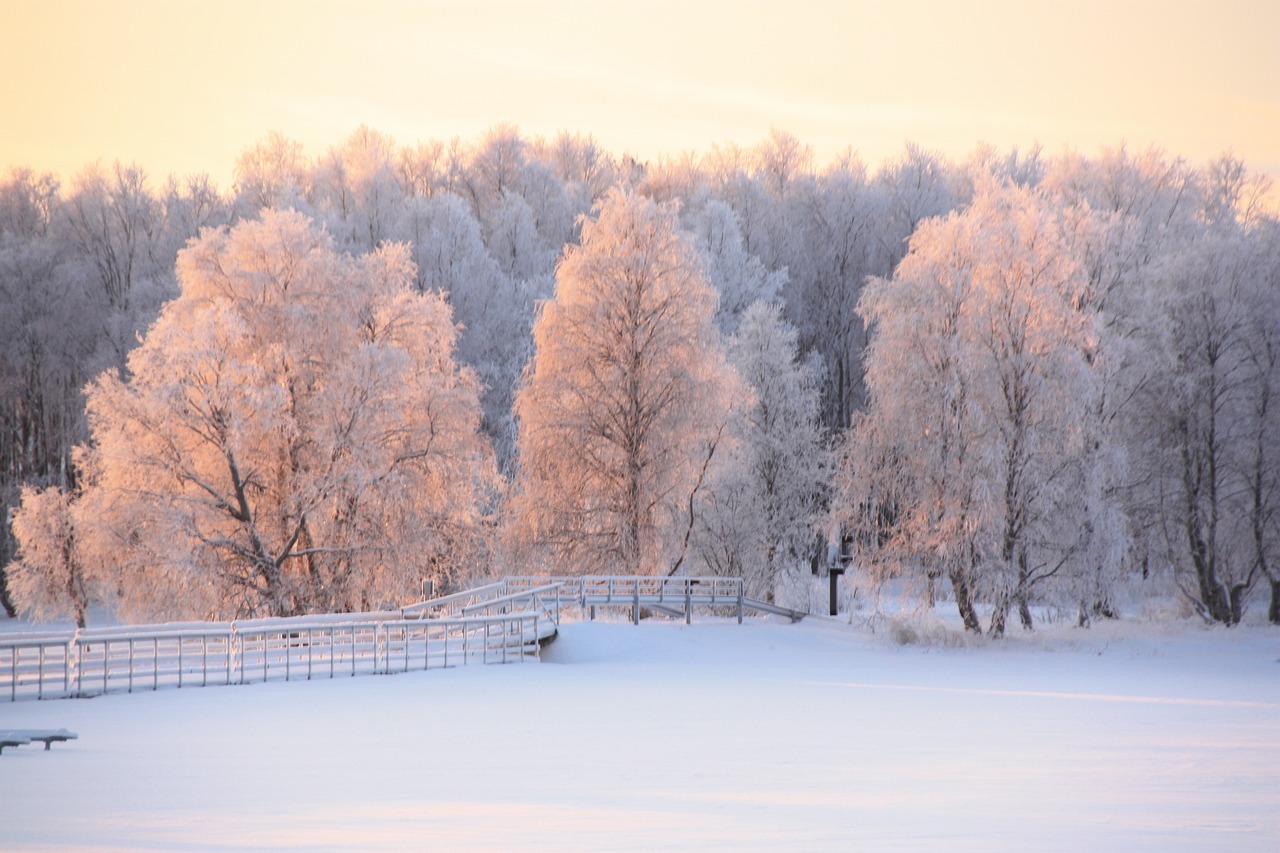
1273 612
1238 594
75 584
1213 596
964 600
998 617
5 601
1024 607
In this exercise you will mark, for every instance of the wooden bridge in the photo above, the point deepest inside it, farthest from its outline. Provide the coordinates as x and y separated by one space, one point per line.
503 622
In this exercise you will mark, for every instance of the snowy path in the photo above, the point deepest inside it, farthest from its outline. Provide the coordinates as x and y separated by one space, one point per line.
765 736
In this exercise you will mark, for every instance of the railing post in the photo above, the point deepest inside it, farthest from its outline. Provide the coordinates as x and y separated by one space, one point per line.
380 642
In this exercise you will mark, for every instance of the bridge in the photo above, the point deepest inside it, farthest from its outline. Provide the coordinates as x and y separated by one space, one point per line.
502 622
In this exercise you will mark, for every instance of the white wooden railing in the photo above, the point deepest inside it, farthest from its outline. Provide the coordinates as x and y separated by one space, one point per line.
497 623
543 595
124 660
452 605
670 594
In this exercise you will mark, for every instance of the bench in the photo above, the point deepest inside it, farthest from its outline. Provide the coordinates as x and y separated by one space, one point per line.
11 739
18 737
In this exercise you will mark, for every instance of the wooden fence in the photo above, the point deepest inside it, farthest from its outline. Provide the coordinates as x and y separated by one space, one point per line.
123 660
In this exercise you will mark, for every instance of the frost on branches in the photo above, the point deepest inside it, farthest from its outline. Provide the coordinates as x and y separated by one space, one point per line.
972 462
292 435
48 579
760 509
626 400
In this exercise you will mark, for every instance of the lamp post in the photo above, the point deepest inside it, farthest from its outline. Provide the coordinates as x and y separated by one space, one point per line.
834 573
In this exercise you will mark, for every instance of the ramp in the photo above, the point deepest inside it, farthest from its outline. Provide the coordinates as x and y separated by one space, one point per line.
777 610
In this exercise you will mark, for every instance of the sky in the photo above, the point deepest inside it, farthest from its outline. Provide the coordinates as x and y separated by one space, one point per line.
182 87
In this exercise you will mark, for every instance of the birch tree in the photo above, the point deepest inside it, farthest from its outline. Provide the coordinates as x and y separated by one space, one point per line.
761 509
739 278
967 462
1208 409
625 400
293 436
49 578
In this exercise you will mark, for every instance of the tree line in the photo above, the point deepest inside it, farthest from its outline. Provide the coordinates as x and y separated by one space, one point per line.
1012 381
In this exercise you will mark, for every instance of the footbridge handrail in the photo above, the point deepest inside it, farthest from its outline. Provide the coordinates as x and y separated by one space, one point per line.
543 599
658 592
451 605
674 596
128 659
498 622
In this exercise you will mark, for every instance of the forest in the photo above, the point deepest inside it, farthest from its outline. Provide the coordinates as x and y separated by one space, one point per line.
1015 382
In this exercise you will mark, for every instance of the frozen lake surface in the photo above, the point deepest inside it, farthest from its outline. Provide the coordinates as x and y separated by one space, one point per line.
766 736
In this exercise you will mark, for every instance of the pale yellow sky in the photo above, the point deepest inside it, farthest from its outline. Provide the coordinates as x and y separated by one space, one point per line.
182 87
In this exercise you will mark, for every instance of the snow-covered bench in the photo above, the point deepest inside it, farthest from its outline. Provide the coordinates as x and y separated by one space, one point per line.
12 739
18 737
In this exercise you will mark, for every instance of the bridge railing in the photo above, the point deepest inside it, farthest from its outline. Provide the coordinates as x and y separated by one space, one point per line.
567 592
673 595
545 600
452 605
704 590
46 666
623 588
498 622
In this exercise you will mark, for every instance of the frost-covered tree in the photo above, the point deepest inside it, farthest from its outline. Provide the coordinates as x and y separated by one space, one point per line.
968 463
1258 459
493 309
587 170
274 173
739 277
626 398
1207 405
761 506
839 249
494 169
918 184
356 185
49 577
79 277
293 435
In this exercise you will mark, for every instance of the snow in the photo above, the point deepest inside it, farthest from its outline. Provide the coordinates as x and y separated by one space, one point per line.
764 736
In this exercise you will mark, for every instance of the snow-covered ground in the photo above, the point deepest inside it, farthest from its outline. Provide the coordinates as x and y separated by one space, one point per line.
765 736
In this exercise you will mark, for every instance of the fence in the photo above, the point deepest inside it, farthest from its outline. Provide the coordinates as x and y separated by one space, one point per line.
497 623
124 660
513 595
676 596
